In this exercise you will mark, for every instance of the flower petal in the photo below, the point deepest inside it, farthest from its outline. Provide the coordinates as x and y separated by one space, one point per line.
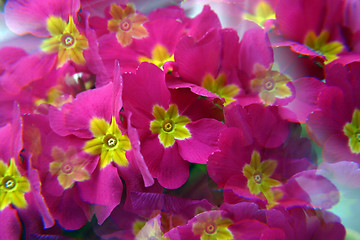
255 160
105 158
55 25
99 127
172 112
18 199
93 146
71 28
155 126
271 182
268 167
248 171
181 133
76 55
50 45
81 174
65 181
22 184
124 38
120 158
166 139
116 11
139 31
158 112
4 200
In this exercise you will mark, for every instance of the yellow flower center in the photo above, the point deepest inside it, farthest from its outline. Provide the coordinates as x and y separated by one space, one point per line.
257 178
263 12
159 56
352 131
322 45
13 186
67 168
258 174
110 141
67 40
9 182
210 229
125 25
269 84
169 125
219 87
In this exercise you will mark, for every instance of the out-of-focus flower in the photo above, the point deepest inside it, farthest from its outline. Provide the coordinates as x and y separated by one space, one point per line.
68 167
151 230
265 81
23 16
322 45
263 12
309 33
126 24
159 56
270 84
335 124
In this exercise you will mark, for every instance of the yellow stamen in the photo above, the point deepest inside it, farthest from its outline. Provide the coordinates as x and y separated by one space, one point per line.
169 125
108 141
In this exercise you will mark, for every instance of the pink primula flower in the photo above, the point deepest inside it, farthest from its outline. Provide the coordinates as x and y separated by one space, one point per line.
208 66
305 223
19 184
335 125
309 33
295 94
93 118
238 221
23 16
169 138
59 186
257 154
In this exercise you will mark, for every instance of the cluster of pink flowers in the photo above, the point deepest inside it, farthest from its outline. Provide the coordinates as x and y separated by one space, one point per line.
120 120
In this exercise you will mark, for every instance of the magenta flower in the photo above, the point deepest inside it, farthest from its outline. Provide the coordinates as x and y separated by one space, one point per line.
238 221
214 78
305 223
92 122
335 124
317 34
167 135
295 94
179 119
24 16
19 184
166 26
207 225
257 154
105 139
